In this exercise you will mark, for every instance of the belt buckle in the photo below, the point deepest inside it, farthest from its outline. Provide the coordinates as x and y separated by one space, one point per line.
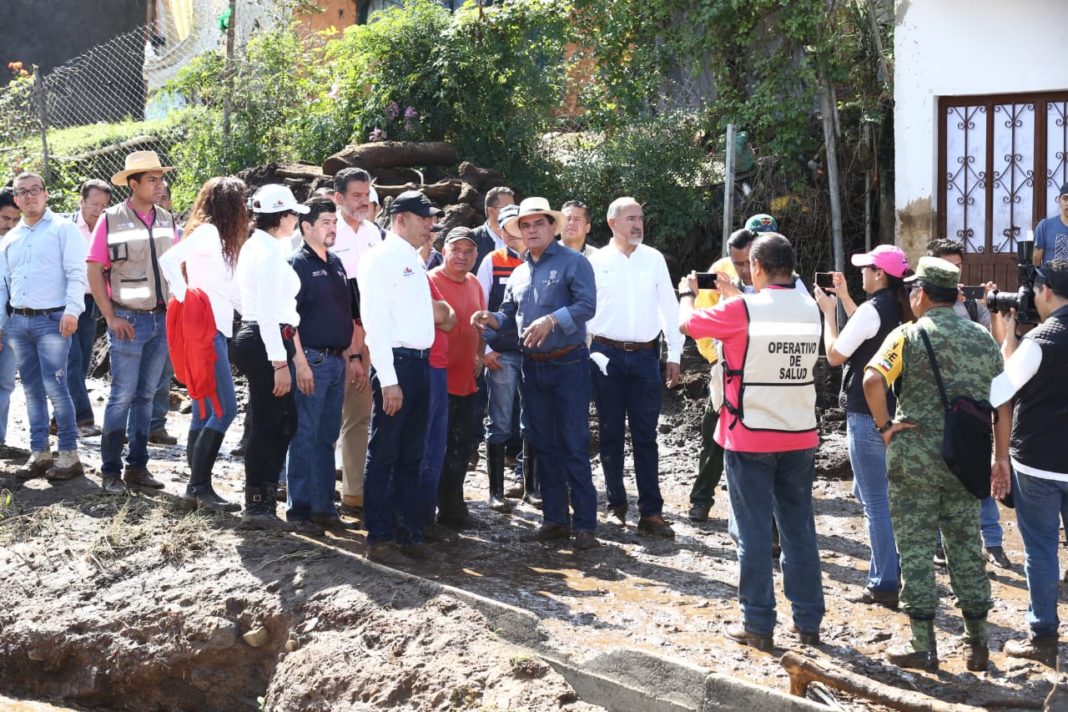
630 346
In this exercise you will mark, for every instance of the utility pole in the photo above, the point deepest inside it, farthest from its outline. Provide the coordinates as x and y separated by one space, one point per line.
728 187
831 141
228 70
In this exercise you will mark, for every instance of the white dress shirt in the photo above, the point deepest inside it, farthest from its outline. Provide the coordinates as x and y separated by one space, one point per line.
268 287
395 303
351 245
635 298
87 233
201 253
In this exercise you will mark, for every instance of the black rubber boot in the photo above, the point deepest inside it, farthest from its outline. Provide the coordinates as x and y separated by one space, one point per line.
495 467
532 486
199 492
260 508
190 444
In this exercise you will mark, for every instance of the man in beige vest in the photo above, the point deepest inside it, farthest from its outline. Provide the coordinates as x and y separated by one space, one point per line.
131 293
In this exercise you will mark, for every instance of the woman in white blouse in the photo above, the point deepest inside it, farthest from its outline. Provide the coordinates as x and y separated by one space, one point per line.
217 228
263 347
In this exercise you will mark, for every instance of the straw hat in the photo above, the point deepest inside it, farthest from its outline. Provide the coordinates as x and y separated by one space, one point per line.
534 206
139 162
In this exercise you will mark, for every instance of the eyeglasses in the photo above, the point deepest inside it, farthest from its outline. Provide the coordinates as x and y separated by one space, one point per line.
29 192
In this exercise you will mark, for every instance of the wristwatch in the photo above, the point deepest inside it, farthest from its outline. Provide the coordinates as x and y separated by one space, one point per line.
884 428
687 293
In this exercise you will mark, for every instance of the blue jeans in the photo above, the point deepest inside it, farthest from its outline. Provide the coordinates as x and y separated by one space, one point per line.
136 366
867 455
787 477
391 478
630 393
310 470
8 368
41 353
1040 504
437 431
556 396
224 389
161 401
505 401
78 360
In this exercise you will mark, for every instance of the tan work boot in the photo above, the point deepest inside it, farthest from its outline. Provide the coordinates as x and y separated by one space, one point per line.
37 466
67 465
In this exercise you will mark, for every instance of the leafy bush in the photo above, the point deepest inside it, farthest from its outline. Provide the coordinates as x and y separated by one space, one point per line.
658 162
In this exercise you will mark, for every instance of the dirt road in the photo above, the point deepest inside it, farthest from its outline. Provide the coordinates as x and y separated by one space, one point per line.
104 599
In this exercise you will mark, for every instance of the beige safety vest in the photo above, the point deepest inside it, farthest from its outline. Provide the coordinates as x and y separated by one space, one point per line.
778 389
134 249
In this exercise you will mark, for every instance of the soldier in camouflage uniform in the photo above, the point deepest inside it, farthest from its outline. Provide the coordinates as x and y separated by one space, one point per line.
924 494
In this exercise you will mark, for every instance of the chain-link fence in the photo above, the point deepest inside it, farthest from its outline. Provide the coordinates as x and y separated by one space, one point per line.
80 120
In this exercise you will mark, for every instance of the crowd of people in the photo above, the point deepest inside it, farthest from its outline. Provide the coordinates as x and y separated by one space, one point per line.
362 339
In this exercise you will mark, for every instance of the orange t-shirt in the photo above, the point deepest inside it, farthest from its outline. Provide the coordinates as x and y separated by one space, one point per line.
465 298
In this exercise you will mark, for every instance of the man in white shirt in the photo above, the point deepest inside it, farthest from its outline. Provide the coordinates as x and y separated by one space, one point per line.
1034 375
635 303
356 236
577 227
95 198
398 320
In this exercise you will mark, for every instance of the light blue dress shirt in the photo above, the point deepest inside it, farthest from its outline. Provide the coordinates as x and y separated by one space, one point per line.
43 267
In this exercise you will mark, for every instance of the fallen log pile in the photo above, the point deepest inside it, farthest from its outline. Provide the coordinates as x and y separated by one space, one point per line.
395 166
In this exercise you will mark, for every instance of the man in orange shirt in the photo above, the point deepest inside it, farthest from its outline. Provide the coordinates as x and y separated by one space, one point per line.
463 293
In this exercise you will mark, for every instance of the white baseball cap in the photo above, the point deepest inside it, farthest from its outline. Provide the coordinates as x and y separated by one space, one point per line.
275 198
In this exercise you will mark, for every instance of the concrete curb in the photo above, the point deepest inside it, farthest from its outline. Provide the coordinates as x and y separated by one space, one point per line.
624 680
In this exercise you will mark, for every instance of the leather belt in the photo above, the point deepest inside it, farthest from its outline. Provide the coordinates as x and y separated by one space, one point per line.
157 310
35 312
552 355
287 330
412 353
628 345
327 351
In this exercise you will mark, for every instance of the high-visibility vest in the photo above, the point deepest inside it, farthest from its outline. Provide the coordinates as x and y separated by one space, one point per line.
778 388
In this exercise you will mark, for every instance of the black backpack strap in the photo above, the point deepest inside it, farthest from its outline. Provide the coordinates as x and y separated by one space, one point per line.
972 308
934 367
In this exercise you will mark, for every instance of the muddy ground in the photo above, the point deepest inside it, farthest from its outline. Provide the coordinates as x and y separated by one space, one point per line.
135 604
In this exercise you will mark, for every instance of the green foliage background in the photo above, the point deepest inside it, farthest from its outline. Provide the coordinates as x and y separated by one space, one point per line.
586 99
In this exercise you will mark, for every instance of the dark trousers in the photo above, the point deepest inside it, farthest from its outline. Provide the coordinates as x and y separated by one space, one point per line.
709 461
629 394
556 399
81 349
451 505
394 453
273 420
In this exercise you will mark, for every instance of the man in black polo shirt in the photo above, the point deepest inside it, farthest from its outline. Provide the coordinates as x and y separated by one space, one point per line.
323 343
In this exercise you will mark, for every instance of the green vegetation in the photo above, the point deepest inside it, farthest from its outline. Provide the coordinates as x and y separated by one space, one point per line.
569 98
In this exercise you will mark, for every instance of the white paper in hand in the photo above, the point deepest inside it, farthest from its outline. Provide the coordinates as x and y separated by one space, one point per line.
601 360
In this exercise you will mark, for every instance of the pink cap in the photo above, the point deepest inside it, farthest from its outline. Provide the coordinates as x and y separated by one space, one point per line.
888 258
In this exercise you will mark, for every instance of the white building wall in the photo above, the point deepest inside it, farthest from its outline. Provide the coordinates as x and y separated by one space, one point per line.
959 48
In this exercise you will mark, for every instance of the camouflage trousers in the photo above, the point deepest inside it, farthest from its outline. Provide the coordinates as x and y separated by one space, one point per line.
925 497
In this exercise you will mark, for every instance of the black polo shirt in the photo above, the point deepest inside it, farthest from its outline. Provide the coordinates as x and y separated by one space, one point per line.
324 302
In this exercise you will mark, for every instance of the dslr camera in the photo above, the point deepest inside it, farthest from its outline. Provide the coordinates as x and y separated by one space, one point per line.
1023 299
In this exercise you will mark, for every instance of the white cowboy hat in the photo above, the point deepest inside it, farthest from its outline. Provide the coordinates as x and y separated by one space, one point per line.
140 162
534 206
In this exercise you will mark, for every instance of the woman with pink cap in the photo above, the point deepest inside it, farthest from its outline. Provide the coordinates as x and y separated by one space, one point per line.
887 306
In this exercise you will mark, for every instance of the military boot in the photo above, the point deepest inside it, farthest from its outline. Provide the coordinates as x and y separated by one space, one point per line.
921 652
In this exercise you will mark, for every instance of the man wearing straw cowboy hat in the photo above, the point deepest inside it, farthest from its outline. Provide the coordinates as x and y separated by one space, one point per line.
132 294
550 297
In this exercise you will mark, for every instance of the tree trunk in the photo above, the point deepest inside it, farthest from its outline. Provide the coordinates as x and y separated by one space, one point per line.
391 154
804 671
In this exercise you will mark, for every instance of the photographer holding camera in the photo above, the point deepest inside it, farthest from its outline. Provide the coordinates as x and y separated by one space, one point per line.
1034 374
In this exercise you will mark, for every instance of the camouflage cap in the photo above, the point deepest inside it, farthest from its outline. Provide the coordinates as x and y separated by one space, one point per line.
936 272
